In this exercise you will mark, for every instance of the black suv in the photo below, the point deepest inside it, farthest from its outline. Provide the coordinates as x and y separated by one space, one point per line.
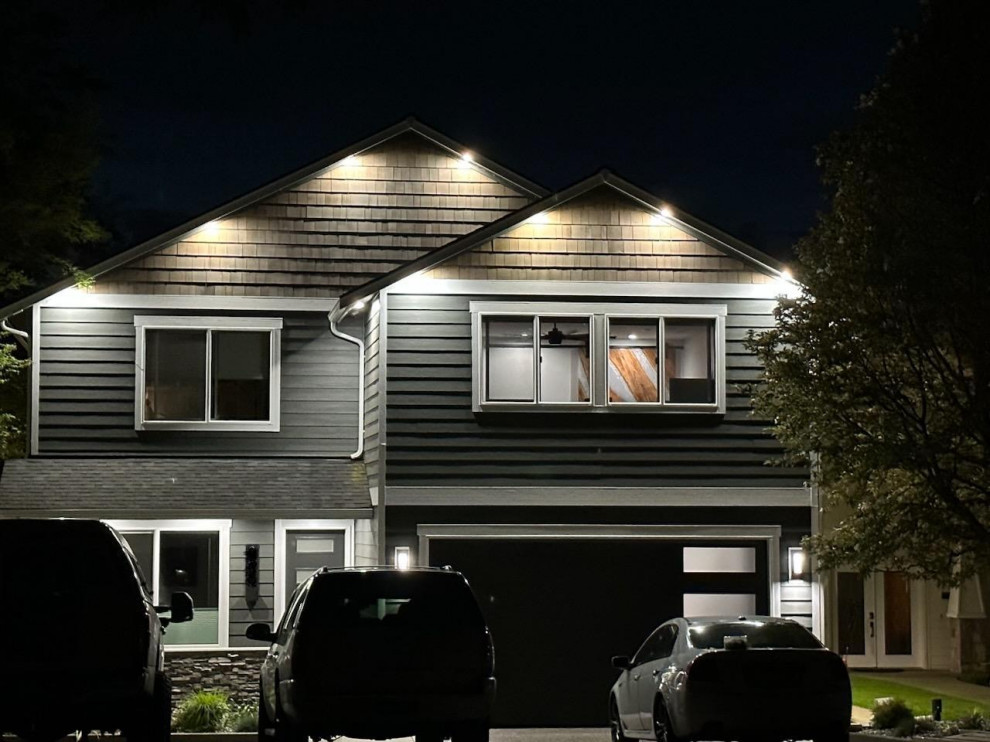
82 644
378 652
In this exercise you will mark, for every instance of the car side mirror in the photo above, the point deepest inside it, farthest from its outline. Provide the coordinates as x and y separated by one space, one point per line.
621 662
180 611
260 632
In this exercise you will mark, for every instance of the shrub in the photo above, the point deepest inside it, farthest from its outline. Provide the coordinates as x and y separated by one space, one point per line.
893 713
925 725
204 711
973 720
243 719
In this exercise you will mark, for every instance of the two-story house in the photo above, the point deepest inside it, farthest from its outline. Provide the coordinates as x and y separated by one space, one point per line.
406 353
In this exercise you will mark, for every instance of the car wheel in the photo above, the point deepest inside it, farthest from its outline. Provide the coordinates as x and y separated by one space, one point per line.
156 725
615 725
663 730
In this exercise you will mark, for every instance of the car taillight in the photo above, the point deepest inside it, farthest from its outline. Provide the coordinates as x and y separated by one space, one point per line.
704 670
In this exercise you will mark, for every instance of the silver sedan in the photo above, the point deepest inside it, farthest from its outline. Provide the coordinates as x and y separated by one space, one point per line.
739 678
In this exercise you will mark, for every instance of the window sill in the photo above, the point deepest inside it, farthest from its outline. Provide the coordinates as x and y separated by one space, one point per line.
228 426
614 409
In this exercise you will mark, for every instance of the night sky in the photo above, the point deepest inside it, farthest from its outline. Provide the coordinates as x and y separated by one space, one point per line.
714 106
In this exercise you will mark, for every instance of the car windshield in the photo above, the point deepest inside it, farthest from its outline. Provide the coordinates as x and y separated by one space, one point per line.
757 635
397 600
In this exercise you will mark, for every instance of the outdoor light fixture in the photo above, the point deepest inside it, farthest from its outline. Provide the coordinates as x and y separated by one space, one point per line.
466 159
403 557
251 571
351 161
210 230
540 218
666 212
359 304
798 563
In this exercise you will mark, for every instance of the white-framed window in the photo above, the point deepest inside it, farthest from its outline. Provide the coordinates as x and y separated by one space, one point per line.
599 356
195 373
303 546
188 555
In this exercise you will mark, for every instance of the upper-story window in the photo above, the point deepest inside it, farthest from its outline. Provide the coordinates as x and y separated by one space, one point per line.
207 373
572 356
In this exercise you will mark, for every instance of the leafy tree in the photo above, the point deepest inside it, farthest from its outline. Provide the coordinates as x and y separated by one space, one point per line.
48 150
881 366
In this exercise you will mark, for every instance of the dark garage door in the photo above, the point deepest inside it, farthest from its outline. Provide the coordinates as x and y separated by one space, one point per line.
559 609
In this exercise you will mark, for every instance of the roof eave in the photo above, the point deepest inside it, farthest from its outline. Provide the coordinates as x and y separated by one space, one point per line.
690 224
186 229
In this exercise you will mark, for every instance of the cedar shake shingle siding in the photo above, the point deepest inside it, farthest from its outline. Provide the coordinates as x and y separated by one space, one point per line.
334 232
598 237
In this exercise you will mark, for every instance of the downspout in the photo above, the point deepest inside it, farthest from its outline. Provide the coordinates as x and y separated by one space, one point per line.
333 317
22 337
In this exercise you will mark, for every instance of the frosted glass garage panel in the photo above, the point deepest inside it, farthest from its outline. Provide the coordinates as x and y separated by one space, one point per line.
719 604
720 559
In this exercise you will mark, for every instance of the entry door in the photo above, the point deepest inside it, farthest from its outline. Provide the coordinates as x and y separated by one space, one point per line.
307 551
879 619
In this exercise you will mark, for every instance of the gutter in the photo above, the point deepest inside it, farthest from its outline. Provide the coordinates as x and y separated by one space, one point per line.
334 316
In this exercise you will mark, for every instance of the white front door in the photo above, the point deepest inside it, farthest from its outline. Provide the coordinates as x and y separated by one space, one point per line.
880 620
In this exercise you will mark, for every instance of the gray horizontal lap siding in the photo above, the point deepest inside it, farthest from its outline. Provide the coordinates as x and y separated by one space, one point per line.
435 438
371 396
86 391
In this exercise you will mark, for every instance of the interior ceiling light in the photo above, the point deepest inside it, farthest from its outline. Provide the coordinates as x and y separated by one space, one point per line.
632 336
555 336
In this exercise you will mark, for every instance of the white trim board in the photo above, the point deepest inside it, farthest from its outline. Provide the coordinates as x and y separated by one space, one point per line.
643 289
35 401
76 298
771 534
600 496
308 524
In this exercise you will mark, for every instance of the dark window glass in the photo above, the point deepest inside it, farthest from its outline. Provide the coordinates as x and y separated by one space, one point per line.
757 635
632 360
190 563
650 647
175 375
240 370
689 361
851 613
668 637
565 366
143 547
404 601
897 613
510 360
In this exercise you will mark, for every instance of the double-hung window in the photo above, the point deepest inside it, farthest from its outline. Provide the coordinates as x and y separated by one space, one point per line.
207 373
574 356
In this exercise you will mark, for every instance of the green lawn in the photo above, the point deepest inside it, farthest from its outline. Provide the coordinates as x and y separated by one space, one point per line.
866 688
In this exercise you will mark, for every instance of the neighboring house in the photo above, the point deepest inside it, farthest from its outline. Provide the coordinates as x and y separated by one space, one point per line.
405 354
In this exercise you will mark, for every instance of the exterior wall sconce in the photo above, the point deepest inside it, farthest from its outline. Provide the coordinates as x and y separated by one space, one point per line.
251 570
798 564
403 557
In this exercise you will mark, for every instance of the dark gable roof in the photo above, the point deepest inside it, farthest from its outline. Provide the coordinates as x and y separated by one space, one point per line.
183 487
690 224
409 125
